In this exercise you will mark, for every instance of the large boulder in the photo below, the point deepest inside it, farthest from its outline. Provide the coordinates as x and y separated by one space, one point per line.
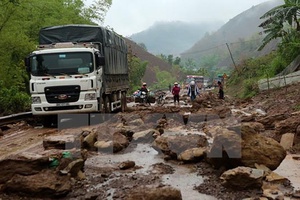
173 145
242 178
145 136
258 149
44 184
47 174
288 126
161 193
192 155
22 164
120 142
270 120
226 149
61 142
245 148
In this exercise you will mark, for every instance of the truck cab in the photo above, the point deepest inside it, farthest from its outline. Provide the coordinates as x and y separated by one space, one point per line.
65 77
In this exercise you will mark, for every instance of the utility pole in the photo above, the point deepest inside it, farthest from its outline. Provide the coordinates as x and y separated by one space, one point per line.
232 58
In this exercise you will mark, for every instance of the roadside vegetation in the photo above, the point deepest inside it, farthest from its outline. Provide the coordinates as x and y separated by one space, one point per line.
242 82
21 20
281 22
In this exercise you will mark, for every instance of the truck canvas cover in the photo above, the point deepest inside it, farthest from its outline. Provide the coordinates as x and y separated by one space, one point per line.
72 33
114 47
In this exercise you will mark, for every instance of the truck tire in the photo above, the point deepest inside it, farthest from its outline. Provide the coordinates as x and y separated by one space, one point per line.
100 106
49 121
123 102
107 104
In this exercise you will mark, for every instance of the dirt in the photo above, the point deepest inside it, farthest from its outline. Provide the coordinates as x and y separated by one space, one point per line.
104 180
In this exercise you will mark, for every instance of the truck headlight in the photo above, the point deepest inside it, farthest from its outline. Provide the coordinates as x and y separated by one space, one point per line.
90 96
36 100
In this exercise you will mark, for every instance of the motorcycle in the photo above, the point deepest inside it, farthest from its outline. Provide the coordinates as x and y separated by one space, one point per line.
143 97
161 96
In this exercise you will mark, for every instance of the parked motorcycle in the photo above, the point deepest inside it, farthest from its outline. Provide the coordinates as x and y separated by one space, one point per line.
161 96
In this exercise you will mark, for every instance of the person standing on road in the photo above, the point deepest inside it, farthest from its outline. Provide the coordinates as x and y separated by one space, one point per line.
221 91
193 90
175 92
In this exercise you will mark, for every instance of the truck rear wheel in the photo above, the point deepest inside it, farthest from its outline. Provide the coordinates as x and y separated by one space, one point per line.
123 102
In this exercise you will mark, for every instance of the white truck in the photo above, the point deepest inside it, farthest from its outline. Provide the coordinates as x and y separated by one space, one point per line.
78 69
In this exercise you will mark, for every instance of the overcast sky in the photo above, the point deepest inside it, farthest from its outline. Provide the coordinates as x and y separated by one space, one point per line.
127 17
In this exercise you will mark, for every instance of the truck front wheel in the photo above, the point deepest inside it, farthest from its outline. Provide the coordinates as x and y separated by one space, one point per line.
107 104
49 121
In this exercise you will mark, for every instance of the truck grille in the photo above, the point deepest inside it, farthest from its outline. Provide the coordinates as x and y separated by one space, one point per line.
62 94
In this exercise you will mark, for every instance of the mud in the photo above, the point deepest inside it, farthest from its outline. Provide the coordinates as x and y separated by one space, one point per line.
105 180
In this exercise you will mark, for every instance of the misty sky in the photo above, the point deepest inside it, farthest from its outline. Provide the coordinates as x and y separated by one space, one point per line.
127 17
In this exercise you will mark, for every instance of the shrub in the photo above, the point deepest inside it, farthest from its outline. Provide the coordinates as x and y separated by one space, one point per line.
13 101
250 88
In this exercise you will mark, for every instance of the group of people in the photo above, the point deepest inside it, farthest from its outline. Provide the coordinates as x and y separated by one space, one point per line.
193 91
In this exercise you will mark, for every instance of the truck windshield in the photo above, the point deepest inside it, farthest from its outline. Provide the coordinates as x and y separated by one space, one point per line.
62 63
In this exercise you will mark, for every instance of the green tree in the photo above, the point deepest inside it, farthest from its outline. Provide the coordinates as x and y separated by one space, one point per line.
170 59
281 21
97 11
177 61
190 64
202 72
137 69
164 78
20 22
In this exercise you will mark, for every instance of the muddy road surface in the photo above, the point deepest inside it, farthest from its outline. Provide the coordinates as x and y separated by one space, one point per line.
141 165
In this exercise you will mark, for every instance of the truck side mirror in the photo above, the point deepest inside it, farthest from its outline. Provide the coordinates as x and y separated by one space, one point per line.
27 64
100 60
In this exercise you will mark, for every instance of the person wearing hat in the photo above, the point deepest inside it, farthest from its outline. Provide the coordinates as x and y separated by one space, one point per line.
193 90
144 88
175 92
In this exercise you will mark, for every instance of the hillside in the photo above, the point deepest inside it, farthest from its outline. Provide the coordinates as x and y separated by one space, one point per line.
173 37
244 25
152 60
239 31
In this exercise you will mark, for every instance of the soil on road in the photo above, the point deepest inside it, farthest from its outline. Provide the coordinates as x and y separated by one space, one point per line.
105 180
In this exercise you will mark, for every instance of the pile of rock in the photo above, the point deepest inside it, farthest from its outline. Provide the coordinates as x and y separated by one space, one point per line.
48 174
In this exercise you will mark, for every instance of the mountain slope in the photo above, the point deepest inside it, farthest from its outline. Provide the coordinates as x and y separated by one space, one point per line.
153 61
173 37
237 30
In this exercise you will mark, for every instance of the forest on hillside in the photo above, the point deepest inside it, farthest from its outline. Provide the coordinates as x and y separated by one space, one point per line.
20 22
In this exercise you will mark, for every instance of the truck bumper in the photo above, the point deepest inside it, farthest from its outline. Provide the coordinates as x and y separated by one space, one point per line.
80 106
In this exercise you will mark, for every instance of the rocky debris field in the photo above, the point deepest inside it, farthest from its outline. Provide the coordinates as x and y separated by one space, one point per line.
207 149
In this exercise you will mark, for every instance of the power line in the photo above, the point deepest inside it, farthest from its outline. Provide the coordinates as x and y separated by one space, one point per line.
215 47
203 50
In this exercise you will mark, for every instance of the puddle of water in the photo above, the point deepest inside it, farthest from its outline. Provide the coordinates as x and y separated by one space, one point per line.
145 156
290 168
185 181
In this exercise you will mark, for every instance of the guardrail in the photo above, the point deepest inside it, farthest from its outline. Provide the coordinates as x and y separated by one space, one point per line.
14 117
279 81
